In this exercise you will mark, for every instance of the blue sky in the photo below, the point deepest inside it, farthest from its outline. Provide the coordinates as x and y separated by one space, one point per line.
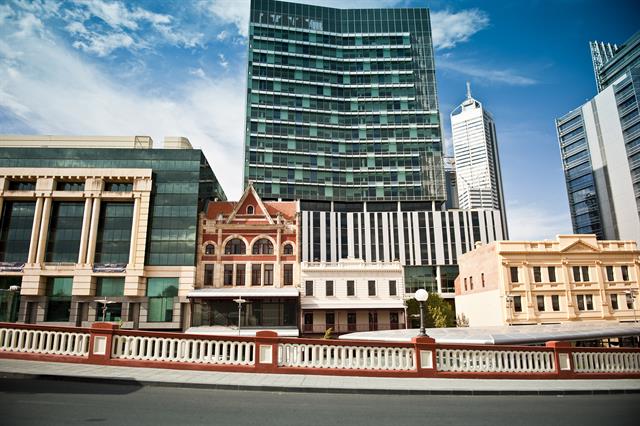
155 68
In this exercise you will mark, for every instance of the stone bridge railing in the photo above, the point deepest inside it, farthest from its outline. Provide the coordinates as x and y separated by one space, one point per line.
105 344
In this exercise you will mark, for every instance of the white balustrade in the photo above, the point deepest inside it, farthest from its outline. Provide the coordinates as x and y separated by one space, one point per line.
183 350
606 362
44 342
494 361
346 357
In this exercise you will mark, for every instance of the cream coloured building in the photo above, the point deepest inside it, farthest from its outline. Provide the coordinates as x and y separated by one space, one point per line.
85 219
351 295
571 278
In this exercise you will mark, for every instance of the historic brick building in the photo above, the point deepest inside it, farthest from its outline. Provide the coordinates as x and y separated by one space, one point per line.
248 251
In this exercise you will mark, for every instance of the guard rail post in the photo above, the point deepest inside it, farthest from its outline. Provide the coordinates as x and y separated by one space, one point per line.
425 356
562 358
101 342
266 351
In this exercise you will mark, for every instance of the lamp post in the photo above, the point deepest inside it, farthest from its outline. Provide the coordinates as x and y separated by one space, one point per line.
631 294
105 303
406 319
421 296
239 301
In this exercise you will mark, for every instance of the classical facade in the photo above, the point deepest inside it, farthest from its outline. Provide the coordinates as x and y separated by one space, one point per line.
248 250
94 221
351 295
574 278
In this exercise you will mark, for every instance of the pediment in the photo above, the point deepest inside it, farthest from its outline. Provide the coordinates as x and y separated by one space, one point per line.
250 198
580 246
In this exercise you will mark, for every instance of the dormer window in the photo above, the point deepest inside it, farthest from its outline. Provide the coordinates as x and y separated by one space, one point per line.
250 210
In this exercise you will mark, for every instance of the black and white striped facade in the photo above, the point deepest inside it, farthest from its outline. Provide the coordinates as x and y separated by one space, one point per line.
413 233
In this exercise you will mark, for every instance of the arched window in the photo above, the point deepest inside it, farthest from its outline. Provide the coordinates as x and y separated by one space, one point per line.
250 210
263 246
287 249
235 246
210 249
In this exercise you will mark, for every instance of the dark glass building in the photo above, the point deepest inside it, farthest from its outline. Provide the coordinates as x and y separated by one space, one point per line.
342 104
117 224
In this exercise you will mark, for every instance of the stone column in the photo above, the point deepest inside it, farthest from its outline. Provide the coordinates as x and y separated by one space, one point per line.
568 293
606 310
35 228
277 269
93 231
84 235
134 231
44 230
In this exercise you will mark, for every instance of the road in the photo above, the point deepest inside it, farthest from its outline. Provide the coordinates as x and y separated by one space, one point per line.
52 402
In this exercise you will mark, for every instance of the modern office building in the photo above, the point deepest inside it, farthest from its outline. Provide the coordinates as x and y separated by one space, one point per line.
477 163
249 252
611 61
89 222
342 104
571 278
600 147
424 237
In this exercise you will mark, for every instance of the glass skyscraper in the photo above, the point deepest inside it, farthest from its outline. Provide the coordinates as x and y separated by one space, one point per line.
342 104
600 147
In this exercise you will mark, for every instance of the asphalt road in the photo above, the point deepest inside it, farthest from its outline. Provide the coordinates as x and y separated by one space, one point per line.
51 402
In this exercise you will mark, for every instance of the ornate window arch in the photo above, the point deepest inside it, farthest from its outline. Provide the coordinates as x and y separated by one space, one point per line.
262 246
209 249
235 246
251 209
287 248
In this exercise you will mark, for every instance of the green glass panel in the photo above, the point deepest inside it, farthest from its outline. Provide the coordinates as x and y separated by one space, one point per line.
110 287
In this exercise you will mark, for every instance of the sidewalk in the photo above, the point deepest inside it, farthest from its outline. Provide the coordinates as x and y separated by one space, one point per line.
10 368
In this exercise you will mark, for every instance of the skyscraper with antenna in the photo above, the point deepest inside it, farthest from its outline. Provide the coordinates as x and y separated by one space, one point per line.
477 161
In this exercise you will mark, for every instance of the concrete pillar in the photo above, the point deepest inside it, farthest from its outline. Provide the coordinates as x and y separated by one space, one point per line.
277 269
247 274
44 230
84 235
566 276
134 231
35 228
606 310
93 231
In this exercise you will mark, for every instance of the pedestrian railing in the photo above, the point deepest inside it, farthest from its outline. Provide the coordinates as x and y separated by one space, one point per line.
198 351
40 341
346 357
495 361
105 344
606 362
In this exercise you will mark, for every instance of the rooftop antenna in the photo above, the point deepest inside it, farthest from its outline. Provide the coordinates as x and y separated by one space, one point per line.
468 90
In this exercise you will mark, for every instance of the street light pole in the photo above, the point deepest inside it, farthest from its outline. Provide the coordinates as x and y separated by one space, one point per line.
239 301
421 296
105 303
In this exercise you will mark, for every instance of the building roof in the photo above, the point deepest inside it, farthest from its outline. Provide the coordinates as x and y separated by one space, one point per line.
509 335
229 209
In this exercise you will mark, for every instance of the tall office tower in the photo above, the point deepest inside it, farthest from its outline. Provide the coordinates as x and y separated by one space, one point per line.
600 147
610 61
476 158
341 104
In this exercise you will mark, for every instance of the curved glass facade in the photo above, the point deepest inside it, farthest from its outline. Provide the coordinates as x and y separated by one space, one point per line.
342 104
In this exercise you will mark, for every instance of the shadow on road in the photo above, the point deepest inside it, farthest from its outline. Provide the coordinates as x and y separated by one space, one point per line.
42 383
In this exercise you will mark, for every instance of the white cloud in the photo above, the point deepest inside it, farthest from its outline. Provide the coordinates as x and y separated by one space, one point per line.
468 68
533 222
103 45
81 99
223 61
222 35
450 28
198 72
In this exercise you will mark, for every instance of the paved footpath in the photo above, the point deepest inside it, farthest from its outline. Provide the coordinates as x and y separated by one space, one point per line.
10 368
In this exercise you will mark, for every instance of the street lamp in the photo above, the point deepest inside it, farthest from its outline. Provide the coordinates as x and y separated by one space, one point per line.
421 296
239 301
105 303
631 294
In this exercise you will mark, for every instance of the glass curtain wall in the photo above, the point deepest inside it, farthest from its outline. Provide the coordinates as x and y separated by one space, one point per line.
59 299
15 230
114 233
161 293
65 227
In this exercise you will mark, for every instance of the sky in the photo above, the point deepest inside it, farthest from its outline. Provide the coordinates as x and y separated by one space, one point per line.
178 68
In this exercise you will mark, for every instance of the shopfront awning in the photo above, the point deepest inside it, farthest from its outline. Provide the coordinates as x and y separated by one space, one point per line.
234 292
